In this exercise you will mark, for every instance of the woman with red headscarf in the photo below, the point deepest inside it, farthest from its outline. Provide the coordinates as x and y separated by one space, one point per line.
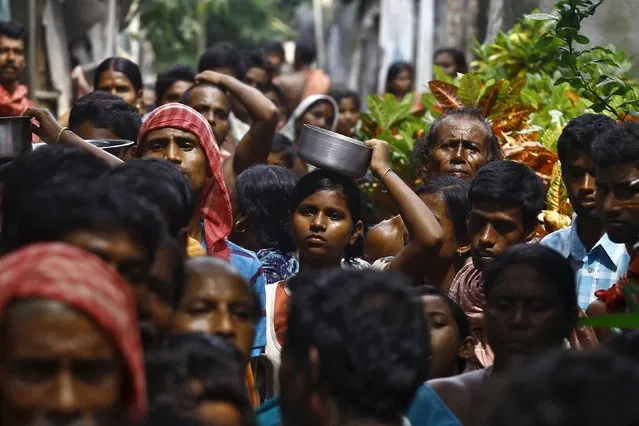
70 341
179 134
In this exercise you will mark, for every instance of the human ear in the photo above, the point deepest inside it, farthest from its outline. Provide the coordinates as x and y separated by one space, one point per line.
467 348
358 230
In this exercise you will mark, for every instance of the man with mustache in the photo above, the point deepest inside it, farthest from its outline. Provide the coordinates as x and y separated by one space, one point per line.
505 199
597 261
13 95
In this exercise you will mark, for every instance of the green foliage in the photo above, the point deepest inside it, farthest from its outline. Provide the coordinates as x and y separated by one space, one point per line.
597 73
179 30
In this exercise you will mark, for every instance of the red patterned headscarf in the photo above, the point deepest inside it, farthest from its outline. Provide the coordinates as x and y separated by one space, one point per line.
215 205
60 272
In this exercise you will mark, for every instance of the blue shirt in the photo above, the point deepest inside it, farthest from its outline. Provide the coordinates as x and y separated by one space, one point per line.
597 269
250 268
427 409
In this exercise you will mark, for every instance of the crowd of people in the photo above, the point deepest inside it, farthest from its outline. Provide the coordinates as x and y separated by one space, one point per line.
207 275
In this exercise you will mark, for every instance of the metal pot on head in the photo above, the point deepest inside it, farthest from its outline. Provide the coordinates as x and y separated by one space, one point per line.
116 147
331 151
15 138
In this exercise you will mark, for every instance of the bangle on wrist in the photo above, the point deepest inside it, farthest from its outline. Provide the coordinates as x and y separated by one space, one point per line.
57 139
381 179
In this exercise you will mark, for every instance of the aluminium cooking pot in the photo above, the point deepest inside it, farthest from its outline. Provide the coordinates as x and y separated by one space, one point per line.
331 151
112 146
15 138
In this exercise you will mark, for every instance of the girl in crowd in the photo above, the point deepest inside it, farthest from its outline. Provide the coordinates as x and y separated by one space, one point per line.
120 77
451 60
349 111
327 227
451 344
71 349
316 110
261 221
400 80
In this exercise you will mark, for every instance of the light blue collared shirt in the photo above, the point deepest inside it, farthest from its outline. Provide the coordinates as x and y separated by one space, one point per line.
597 269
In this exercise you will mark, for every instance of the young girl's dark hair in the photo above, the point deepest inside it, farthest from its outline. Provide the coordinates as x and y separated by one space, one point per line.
123 65
460 317
394 71
454 192
320 180
260 191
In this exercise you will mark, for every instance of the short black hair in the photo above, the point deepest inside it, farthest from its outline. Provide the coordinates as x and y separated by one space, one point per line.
570 388
123 65
548 263
274 47
319 180
305 52
259 192
176 73
454 191
424 146
510 182
161 183
255 59
85 207
282 144
458 57
580 133
48 165
222 56
371 336
619 145
340 94
106 111
209 360
187 95
14 30
394 70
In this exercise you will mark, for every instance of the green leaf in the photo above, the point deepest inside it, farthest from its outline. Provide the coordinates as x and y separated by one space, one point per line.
469 89
544 42
541 17
627 321
581 39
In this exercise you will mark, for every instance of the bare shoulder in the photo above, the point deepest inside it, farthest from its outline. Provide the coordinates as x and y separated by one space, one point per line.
384 239
458 391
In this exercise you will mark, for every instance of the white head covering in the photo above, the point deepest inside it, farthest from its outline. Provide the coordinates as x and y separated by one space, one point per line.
289 128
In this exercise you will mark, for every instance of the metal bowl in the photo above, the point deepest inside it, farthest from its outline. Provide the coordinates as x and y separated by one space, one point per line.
15 138
332 151
112 146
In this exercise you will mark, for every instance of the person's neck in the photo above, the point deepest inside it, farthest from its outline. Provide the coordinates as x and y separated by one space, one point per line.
307 265
441 276
9 86
195 227
506 363
589 231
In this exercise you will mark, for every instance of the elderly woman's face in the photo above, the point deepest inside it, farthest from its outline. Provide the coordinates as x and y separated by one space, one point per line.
181 148
319 115
58 368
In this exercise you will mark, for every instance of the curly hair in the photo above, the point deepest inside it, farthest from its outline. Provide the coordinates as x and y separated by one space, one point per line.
580 133
371 337
619 145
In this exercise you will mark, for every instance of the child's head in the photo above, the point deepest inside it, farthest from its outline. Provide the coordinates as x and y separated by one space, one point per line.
451 344
326 218
282 152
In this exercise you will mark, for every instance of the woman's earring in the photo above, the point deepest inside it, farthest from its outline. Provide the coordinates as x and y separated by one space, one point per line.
240 226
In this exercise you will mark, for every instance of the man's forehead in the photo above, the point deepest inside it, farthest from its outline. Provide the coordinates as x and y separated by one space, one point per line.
618 173
495 209
13 42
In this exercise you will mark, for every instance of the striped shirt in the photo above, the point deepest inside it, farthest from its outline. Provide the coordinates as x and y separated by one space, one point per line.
597 269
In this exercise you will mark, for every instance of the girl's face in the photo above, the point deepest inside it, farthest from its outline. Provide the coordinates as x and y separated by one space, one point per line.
348 116
319 115
402 84
323 227
445 342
